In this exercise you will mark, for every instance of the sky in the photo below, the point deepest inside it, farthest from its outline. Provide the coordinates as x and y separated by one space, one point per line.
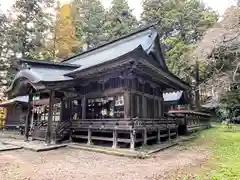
218 5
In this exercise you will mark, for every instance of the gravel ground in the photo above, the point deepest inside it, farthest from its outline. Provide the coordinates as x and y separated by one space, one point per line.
69 164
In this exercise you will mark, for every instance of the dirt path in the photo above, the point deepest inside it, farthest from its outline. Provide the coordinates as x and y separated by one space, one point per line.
68 164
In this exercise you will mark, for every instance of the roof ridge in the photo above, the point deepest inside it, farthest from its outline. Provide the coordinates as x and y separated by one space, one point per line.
138 30
50 63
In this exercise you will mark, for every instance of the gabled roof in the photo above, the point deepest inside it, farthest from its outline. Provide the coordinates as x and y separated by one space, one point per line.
172 96
144 37
19 99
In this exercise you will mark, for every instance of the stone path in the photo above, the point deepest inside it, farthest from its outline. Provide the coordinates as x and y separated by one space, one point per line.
31 145
8 147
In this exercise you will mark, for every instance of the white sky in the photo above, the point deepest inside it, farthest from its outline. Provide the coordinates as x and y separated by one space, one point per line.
218 5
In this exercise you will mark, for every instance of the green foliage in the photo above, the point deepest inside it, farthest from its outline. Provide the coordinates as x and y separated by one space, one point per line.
24 32
119 20
4 50
231 98
175 58
89 17
29 29
181 24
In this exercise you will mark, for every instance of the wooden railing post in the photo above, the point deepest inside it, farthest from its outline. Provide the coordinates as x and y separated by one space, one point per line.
114 139
84 104
89 136
159 136
169 133
132 139
145 136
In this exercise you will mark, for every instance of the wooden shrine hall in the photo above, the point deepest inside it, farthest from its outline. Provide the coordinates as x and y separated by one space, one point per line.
109 95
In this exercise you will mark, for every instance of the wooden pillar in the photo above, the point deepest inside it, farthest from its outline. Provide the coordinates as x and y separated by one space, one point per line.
169 133
132 139
84 103
132 105
145 136
28 119
89 136
126 104
154 108
144 107
114 138
159 136
159 108
50 116
138 106
177 131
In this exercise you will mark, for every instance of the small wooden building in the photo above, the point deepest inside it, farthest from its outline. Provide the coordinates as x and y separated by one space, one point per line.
112 94
176 100
16 112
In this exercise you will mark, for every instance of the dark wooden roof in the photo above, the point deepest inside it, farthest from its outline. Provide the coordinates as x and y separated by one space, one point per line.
48 64
143 43
147 37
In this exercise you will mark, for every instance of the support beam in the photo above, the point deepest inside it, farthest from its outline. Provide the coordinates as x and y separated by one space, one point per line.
84 104
132 140
50 116
160 108
158 136
89 136
132 105
114 138
126 104
145 137
144 107
169 133
177 131
28 119
70 135
138 106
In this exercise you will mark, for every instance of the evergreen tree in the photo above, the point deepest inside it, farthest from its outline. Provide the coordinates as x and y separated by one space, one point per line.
31 26
27 28
4 53
184 18
89 17
181 24
119 20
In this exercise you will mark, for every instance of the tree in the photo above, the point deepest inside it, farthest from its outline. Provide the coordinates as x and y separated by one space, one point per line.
181 24
184 18
4 53
66 42
89 17
219 52
30 27
119 20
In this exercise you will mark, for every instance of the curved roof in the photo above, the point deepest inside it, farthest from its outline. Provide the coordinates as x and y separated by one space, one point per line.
38 75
